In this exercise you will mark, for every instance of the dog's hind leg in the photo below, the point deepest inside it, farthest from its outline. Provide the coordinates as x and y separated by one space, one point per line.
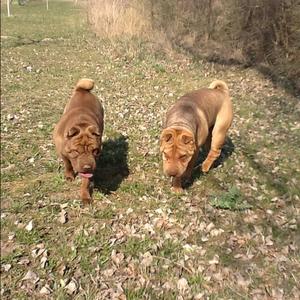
69 172
219 131
218 139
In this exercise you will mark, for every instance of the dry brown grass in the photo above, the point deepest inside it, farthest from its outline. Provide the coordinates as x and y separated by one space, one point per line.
117 18
262 35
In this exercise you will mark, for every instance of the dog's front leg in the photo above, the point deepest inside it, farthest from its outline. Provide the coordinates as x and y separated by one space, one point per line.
176 185
190 167
69 172
85 191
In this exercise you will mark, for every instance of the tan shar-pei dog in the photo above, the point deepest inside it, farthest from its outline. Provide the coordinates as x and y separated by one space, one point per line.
199 118
77 136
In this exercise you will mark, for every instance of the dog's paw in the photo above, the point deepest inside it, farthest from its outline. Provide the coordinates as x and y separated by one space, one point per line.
205 167
177 190
69 176
85 197
86 201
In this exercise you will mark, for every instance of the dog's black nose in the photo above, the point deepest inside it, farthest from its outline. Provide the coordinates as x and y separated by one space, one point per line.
172 173
87 168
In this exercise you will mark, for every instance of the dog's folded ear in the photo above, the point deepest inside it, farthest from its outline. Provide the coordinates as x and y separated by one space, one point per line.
93 130
189 142
166 137
73 131
187 139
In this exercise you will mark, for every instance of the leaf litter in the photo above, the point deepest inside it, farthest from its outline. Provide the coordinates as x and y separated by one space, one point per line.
232 234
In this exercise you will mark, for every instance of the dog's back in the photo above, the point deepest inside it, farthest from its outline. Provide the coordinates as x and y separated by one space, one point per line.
82 109
208 100
82 97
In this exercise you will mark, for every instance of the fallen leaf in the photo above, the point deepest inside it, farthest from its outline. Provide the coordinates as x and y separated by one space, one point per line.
45 290
63 217
31 276
24 261
209 227
11 236
147 259
6 267
72 287
44 261
199 296
214 261
117 258
29 226
168 285
269 241
182 285
108 272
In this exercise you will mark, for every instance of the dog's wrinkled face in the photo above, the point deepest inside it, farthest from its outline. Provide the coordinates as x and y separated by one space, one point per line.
83 148
177 147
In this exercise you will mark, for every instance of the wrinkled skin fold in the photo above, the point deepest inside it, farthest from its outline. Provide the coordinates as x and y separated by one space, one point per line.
199 118
78 135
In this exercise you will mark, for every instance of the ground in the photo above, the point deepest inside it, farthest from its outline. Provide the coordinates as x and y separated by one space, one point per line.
233 234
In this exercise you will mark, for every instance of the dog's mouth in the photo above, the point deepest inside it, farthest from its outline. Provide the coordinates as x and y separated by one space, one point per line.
86 175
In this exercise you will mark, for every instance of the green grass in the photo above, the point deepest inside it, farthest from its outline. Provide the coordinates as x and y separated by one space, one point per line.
24 237
232 200
251 198
59 22
136 246
196 281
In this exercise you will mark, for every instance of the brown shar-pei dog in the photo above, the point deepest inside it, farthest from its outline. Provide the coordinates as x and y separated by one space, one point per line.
199 118
77 136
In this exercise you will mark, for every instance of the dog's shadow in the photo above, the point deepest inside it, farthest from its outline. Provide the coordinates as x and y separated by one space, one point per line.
112 166
227 150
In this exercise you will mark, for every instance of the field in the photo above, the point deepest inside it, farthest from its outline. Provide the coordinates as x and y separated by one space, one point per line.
233 234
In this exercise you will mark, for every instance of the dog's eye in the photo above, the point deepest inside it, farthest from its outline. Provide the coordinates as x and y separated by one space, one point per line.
74 153
183 157
165 156
96 152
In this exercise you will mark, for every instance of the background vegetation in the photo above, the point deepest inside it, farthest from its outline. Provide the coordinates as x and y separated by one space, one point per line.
257 33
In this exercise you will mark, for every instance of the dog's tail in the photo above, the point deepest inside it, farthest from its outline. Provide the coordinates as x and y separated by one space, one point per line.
84 84
219 85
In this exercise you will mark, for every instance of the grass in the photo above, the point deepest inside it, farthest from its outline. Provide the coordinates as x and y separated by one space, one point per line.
230 200
244 211
114 19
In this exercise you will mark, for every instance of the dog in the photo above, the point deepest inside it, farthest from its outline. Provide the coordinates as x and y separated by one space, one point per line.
78 136
199 118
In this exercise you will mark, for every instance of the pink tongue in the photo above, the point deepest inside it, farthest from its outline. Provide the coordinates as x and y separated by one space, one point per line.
86 175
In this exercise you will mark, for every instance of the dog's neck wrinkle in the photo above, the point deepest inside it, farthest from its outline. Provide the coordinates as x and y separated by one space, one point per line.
179 124
178 118
84 119
82 124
